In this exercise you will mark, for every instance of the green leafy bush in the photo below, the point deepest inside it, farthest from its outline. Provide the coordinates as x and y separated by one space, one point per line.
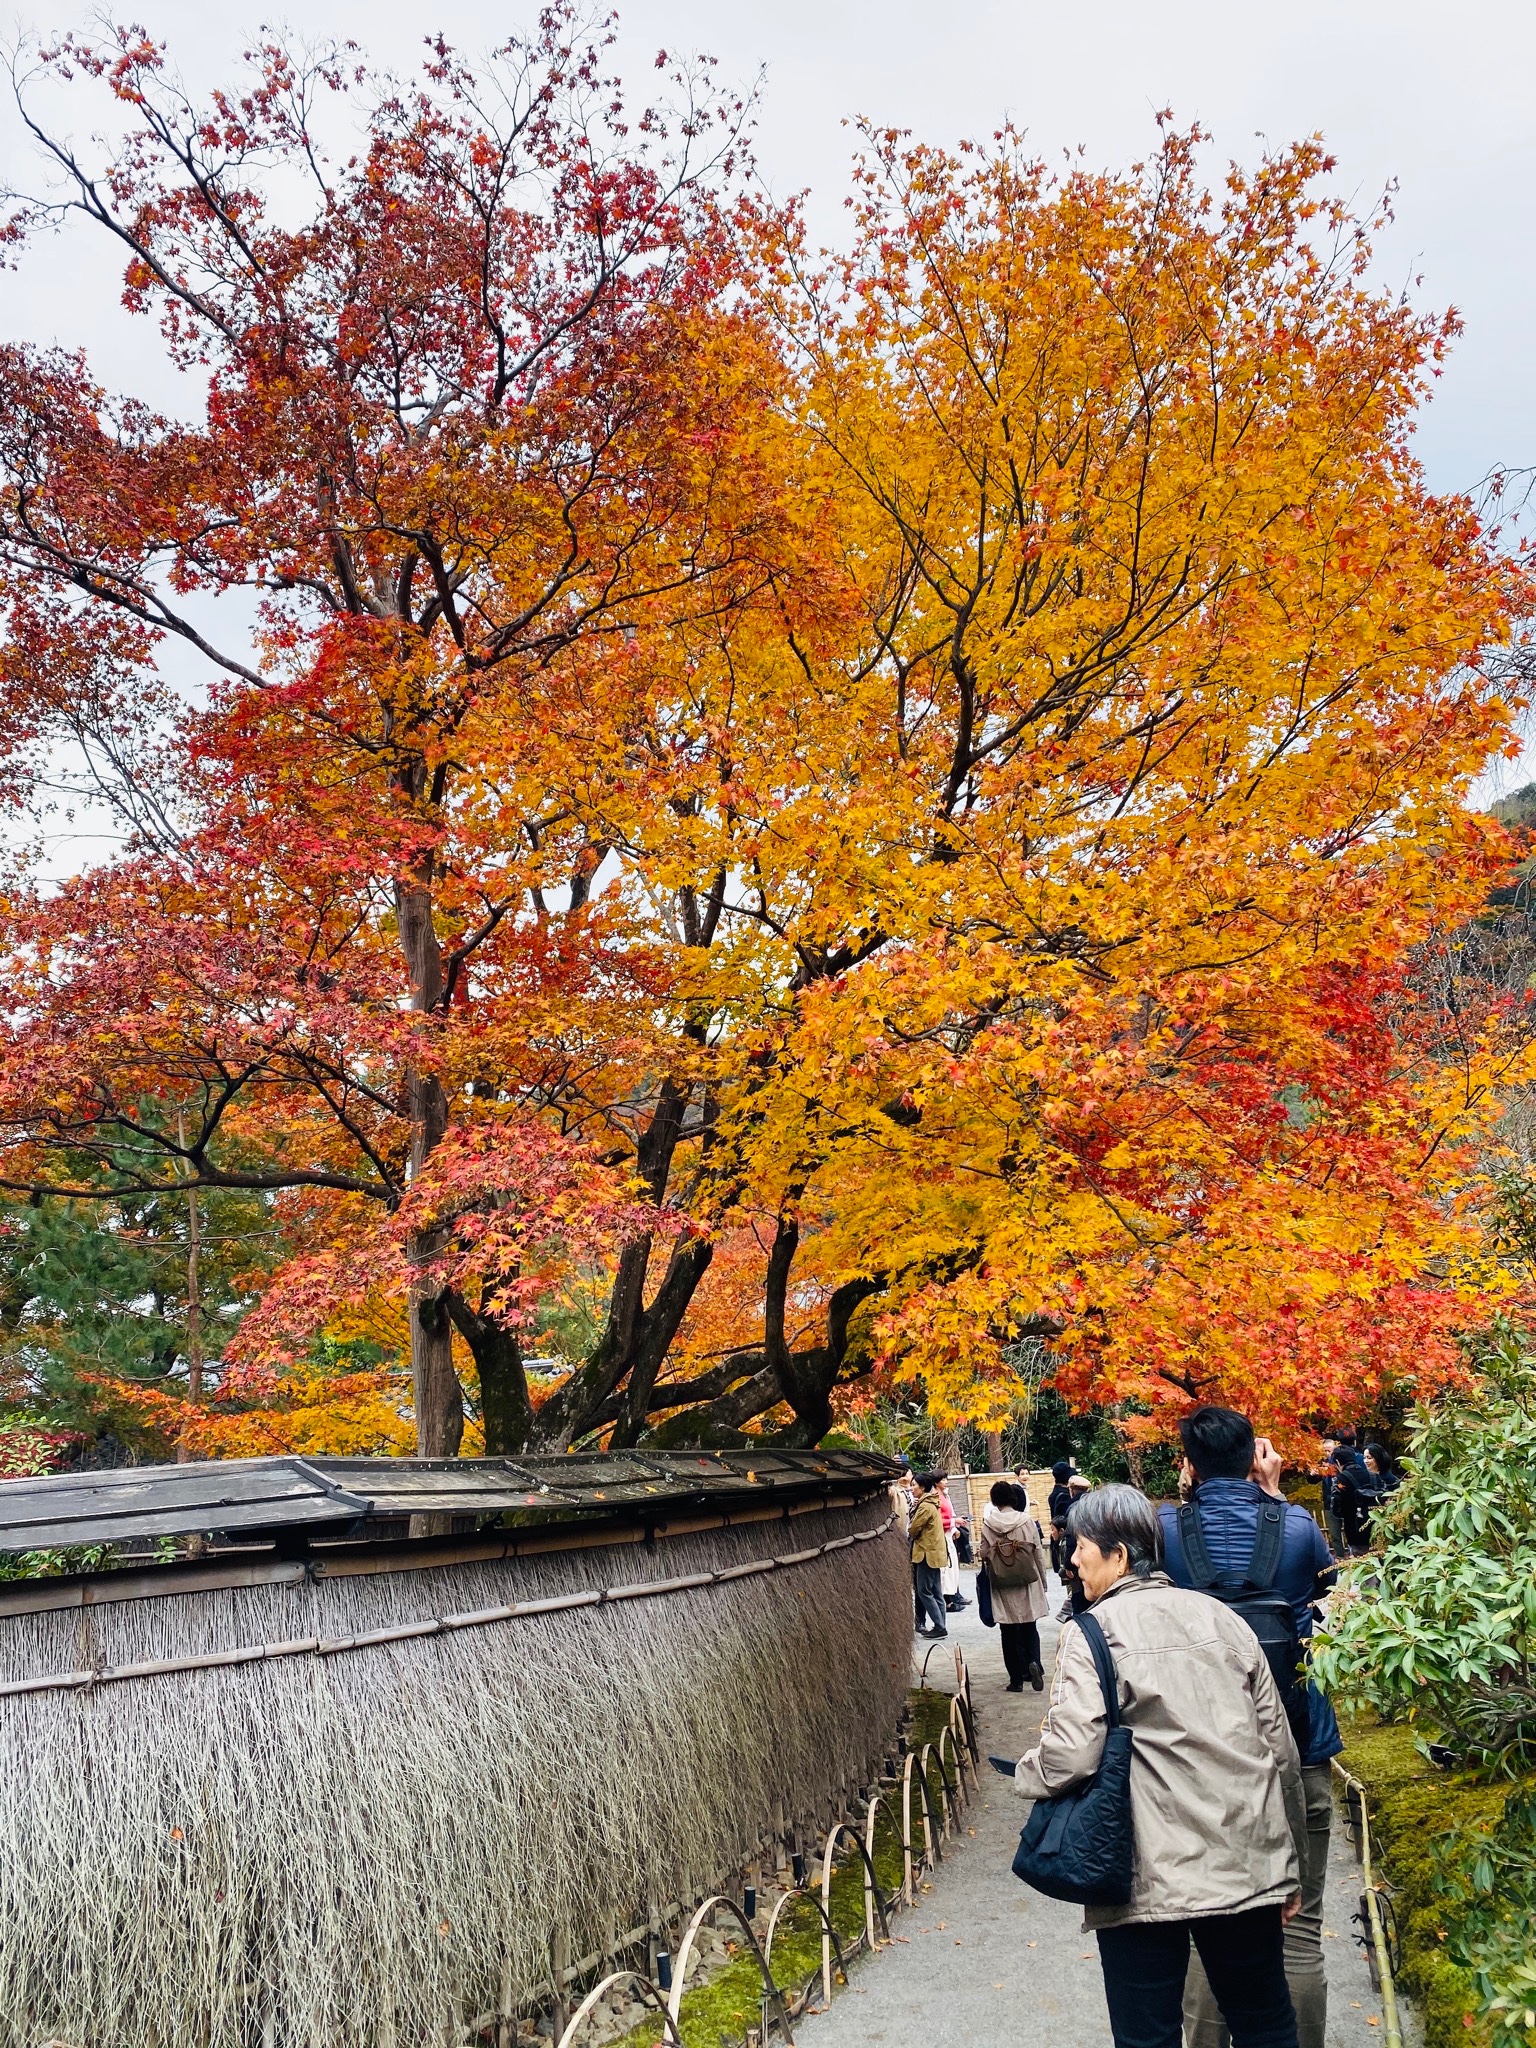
1491 1929
1460 1854
1439 1627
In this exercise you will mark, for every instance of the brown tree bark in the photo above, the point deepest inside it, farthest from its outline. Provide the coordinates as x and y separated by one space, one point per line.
435 1389
506 1408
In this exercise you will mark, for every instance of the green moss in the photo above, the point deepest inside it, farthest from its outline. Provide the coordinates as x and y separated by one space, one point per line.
719 2011
1426 1824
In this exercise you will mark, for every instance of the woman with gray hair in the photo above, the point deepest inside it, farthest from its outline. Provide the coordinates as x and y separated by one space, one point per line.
1215 1785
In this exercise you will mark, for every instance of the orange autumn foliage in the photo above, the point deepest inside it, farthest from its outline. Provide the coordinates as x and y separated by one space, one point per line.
883 803
308 1413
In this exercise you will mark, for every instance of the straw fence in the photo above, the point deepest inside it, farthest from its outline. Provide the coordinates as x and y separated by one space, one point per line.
323 1841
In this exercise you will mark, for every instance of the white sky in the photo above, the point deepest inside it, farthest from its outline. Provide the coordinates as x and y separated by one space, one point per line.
1442 99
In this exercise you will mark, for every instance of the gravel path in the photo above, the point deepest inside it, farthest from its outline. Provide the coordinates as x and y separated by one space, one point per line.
983 1962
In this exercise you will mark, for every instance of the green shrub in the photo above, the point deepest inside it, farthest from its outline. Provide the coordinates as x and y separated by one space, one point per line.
1460 1854
1440 1626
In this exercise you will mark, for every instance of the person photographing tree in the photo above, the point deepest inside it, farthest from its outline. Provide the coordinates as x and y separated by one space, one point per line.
1241 1540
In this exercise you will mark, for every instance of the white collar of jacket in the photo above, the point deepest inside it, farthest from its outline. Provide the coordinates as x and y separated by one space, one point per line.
1003 1521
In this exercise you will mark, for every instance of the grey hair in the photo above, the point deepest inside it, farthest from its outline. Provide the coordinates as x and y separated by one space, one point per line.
1110 1516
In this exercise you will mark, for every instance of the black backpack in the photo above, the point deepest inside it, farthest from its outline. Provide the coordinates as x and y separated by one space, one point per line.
1260 1603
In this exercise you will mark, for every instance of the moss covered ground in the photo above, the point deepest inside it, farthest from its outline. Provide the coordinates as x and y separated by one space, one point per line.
720 2012
1429 1827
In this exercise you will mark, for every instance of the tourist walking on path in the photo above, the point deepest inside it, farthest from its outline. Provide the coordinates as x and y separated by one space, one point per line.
1329 1482
1351 1499
1056 1507
1072 1585
949 1578
929 1553
1215 1785
1232 1478
1014 1555
1380 1481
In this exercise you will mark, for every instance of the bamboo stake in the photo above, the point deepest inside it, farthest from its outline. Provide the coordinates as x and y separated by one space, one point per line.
1390 2024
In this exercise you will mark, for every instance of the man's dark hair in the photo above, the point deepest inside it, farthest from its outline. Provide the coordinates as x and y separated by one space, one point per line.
1061 1471
1003 1491
927 1481
1218 1442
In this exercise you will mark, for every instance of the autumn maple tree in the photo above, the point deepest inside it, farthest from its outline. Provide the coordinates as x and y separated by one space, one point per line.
854 808
465 413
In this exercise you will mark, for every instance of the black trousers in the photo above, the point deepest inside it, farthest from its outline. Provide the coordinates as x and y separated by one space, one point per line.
927 1598
1021 1648
1244 1956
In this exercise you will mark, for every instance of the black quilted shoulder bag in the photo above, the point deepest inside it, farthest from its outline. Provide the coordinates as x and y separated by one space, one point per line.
1082 1844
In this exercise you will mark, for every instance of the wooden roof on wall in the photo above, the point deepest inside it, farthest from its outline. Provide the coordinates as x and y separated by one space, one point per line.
253 1498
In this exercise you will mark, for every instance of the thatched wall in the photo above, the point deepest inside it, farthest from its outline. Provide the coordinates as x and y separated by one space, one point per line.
362 1850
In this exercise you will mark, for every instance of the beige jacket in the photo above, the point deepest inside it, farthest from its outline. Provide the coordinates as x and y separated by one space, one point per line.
1216 1790
1014 1604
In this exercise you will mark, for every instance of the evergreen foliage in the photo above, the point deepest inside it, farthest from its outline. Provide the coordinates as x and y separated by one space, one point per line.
1440 1628
94 1305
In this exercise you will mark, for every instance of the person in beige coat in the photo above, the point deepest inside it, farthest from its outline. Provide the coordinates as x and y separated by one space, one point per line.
1013 1551
1215 1784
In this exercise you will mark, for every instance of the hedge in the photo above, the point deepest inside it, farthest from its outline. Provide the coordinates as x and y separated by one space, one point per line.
1441 1841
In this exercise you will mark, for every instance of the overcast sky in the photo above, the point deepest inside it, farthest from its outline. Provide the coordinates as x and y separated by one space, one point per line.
1441 99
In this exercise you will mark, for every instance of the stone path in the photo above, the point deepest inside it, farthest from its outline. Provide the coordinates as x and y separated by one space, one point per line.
983 1962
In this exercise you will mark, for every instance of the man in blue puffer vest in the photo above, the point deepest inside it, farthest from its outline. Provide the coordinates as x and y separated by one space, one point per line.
1231 1475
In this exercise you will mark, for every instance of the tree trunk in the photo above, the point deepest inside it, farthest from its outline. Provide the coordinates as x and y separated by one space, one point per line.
994 1450
194 1298
435 1389
505 1406
635 1338
808 1377
659 1325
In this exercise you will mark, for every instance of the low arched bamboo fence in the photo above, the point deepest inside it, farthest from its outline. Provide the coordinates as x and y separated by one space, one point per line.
939 1813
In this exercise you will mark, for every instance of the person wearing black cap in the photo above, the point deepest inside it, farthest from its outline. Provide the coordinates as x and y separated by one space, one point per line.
1056 1507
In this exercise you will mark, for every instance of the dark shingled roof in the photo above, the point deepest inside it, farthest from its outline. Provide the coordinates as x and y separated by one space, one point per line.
250 1498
